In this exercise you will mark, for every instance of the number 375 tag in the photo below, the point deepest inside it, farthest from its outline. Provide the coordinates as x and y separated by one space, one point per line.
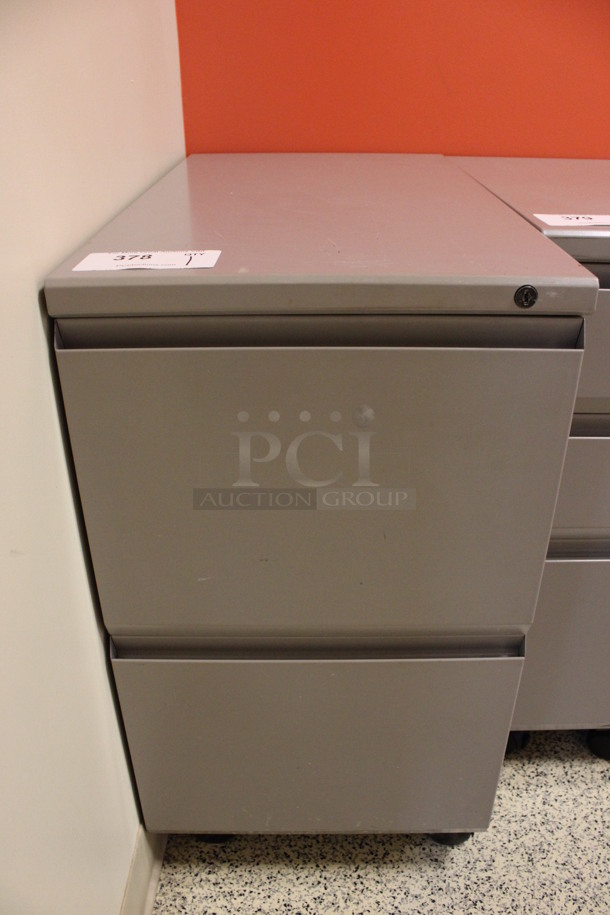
149 260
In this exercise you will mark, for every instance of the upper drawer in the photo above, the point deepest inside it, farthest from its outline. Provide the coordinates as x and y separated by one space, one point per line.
594 387
320 490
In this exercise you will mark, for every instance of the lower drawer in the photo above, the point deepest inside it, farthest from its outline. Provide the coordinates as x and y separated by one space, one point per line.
566 683
312 746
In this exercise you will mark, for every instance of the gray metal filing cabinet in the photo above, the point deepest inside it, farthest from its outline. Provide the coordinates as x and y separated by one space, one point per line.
566 677
318 475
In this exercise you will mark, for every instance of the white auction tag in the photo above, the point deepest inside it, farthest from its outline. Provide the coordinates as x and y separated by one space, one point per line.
573 219
148 260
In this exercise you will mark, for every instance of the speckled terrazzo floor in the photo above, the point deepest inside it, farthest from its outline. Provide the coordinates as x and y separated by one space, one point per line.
547 852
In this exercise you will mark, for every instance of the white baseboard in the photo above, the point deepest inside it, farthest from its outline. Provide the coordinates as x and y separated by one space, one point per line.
146 861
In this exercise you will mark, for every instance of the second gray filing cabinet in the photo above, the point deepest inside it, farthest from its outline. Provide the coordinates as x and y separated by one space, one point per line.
566 679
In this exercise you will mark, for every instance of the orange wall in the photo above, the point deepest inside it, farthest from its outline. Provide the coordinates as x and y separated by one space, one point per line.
470 77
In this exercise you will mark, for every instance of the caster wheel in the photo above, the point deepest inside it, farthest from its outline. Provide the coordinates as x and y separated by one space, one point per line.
215 838
451 838
599 743
517 740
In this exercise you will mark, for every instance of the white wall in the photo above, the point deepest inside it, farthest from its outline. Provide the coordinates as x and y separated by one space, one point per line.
91 115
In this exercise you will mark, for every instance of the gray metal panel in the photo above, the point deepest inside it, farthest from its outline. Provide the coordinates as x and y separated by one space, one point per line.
323 233
583 506
565 681
317 746
477 435
568 186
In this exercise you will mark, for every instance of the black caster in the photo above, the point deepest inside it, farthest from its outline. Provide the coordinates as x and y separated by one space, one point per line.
451 838
517 740
599 743
215 838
